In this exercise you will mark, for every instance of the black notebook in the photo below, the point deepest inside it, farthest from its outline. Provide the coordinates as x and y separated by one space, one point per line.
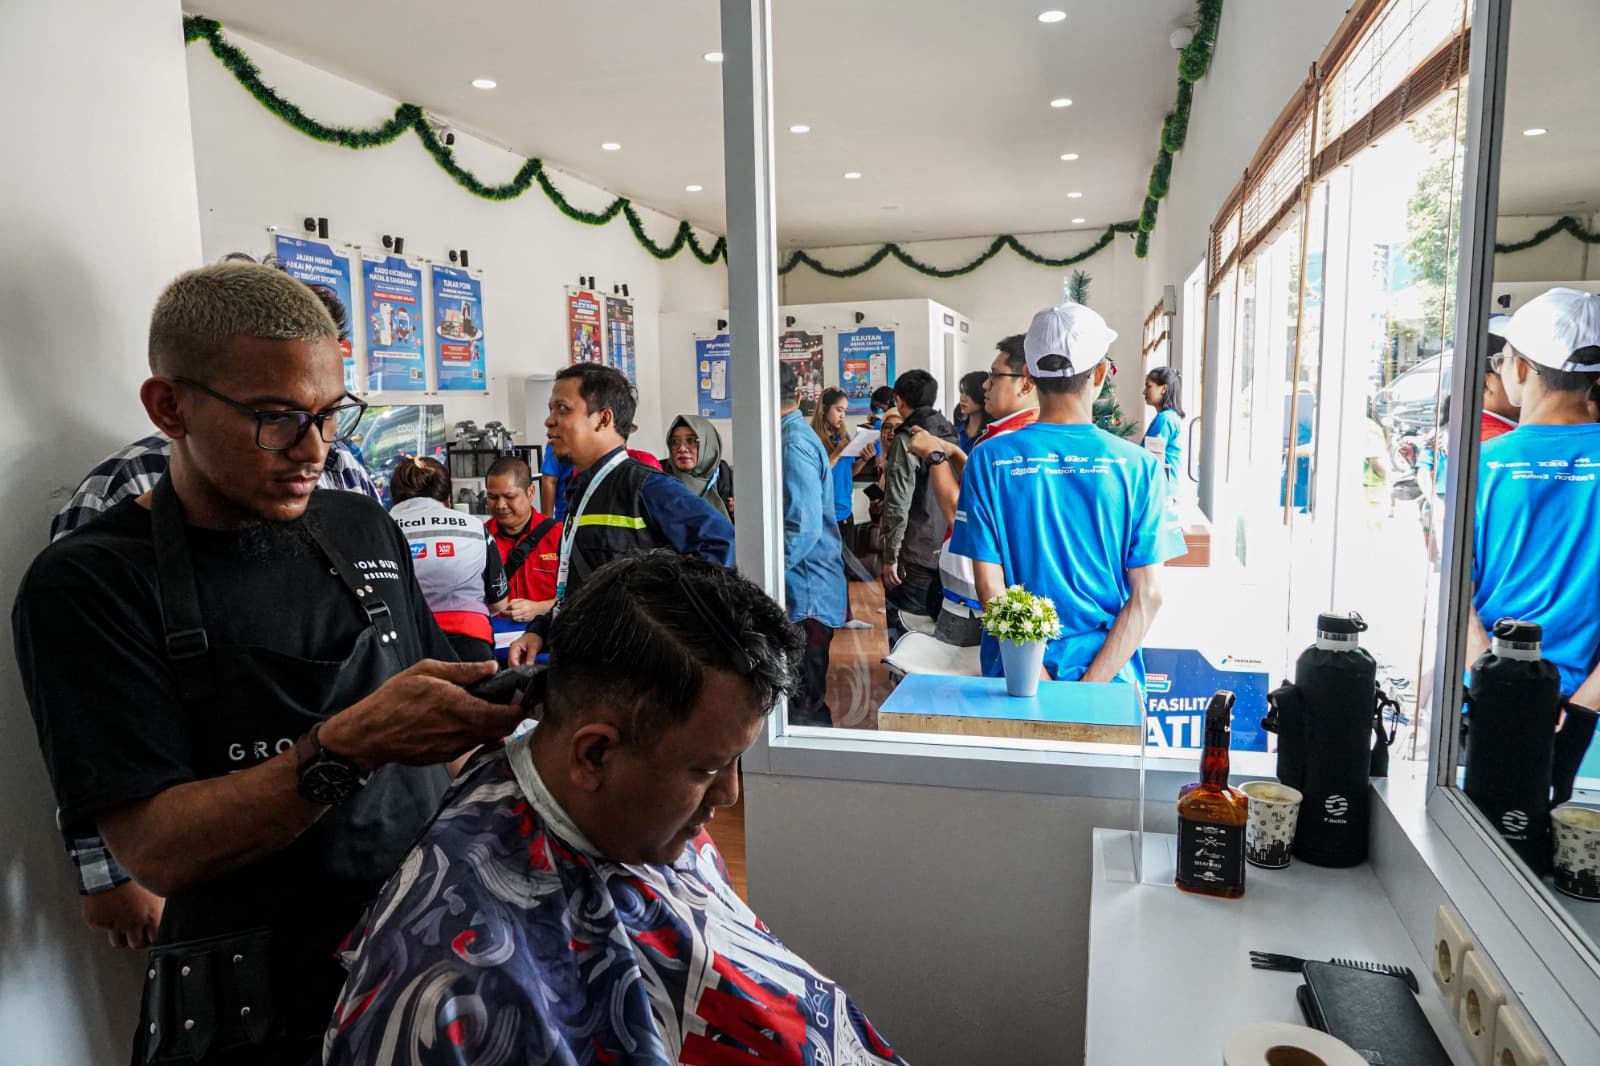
1374 1013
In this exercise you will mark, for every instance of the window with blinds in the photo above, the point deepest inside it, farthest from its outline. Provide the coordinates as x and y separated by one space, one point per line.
1402 36
1224 250
1273 184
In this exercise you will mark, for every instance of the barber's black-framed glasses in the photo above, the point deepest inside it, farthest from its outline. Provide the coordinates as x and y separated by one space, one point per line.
278 431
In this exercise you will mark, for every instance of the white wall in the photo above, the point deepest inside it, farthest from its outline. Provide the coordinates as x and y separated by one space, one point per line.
1561 258
957 919
1001 296
98 213
254 171
1265 49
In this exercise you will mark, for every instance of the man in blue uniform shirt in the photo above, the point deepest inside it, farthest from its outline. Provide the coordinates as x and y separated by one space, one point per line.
1069 511
1538 506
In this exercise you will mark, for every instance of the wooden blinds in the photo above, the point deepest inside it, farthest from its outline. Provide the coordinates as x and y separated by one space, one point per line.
1273 183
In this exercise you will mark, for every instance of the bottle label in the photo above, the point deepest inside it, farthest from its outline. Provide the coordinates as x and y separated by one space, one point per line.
1210 854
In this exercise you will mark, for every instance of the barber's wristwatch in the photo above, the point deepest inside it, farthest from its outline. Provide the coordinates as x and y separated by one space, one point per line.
321 776
935 458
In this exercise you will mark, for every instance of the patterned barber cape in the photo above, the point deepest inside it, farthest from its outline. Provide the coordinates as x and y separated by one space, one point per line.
505 940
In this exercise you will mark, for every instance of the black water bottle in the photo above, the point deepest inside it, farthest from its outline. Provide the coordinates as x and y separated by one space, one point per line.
1325 727
1512 707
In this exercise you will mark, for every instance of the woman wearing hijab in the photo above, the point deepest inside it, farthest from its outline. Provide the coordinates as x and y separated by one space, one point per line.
694 457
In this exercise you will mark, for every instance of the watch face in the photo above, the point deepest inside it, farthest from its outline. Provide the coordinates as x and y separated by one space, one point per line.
328 782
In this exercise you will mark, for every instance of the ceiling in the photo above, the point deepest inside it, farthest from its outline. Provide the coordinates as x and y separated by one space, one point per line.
943 106
1552 82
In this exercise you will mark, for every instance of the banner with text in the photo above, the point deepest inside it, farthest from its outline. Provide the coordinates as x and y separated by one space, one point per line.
866 362
458 330
326 271
804 351
584 343
392 289
1179 683
620 350
711 363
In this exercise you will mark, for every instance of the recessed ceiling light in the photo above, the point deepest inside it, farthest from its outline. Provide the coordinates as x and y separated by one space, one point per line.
712 57
852 175
1079 221
612 146
1069 157
1051 16
1074 195
483 83
799 127
692 188
1061 101
1535 131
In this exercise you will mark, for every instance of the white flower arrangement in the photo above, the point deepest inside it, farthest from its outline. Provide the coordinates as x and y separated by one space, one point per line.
1020 617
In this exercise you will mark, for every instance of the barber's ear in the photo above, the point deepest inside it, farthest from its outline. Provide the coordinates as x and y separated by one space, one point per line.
593 748
160 398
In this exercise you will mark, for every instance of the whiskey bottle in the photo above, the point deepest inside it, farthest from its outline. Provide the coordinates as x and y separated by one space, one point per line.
1211 816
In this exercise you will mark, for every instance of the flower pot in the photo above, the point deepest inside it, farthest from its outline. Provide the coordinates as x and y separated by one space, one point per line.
1021 664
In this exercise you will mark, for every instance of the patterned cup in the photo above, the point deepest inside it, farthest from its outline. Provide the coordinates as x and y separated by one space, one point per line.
1269 832
1577 851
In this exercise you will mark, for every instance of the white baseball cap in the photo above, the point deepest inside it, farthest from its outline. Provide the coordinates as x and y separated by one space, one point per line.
1549 328
1070 330
1498 324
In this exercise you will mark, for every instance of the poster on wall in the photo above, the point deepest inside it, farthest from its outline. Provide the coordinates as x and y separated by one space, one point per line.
392 289
318 265
584 343
458 331
620 351
866 362
711 364
1180 682
804 350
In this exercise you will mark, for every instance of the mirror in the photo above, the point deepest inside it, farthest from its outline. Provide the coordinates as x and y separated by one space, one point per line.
1537 499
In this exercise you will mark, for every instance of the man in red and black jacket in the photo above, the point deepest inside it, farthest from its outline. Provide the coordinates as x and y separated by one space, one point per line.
529 542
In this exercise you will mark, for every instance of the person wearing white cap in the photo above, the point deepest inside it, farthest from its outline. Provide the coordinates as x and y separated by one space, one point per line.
1538 506
1070 511
1499 414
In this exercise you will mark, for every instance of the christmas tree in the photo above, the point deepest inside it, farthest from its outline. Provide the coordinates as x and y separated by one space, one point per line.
1107 412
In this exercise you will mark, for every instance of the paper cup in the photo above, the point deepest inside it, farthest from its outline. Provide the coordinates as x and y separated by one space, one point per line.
1577 851
1269 832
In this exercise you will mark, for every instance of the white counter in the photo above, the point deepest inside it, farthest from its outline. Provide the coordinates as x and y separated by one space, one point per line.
1170 974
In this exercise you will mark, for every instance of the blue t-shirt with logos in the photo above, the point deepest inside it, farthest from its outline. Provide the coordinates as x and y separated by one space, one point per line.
1161 440
1534 554
1067 511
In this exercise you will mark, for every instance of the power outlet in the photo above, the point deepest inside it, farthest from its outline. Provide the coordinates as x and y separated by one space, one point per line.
1481 999
1451 942
1514 1044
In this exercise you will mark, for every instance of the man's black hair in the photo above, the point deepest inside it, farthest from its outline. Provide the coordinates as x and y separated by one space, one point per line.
641 633
917 388
1069 386
604 388
883 397
788 383
1569 380
517 467
1016 357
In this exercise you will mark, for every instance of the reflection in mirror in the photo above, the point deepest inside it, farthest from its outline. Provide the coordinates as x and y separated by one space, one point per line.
1529 716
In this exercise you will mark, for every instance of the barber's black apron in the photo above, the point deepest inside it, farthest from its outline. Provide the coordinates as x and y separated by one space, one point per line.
244 969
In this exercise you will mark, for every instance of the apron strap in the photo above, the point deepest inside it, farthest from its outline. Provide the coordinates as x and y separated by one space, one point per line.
188 647
378 614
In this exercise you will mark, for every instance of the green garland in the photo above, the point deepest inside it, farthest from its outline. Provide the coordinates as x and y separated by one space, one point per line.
996 246
413 118
1565 224
1193 62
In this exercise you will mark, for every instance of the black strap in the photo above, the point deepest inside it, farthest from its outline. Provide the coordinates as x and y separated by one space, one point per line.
524 547
188 646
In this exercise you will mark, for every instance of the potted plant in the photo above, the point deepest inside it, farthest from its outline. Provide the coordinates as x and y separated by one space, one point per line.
1023 623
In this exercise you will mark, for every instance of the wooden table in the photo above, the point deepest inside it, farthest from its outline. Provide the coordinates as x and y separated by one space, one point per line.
1100 713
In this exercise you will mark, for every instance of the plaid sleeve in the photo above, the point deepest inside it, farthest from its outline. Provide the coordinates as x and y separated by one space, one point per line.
345 472
131 472
98 870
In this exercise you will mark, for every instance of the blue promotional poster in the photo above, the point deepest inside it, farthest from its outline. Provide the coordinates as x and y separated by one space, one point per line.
1180 682
711 365
866 362
458 330
395 326
620 350
325 270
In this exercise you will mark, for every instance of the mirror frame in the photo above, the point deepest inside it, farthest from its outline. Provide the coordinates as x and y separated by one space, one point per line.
1531 939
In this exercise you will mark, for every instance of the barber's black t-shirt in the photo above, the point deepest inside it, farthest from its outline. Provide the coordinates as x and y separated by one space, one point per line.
91 644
